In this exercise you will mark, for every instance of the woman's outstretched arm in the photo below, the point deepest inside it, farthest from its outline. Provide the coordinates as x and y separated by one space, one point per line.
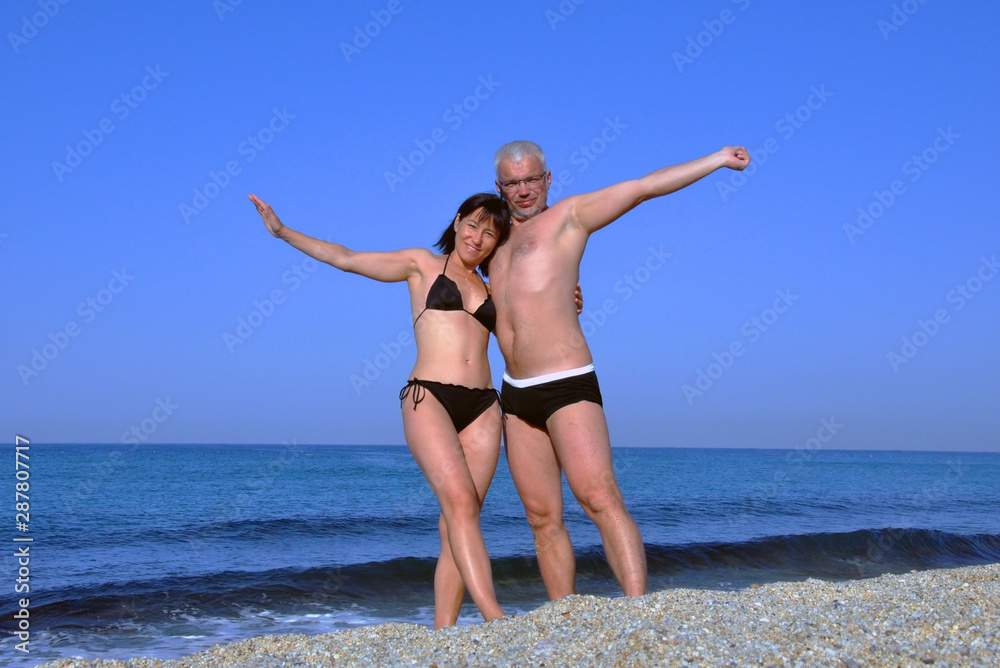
387 267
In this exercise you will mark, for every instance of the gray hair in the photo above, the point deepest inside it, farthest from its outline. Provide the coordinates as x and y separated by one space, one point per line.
517 151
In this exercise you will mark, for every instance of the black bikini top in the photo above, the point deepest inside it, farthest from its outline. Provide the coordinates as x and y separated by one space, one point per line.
444 295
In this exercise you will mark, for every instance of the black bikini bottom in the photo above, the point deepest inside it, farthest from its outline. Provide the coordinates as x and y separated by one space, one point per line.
463 404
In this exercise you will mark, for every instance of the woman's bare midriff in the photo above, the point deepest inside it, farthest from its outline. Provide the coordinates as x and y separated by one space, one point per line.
451 348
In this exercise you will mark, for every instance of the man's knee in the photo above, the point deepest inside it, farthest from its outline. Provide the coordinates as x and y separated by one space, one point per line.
601 499
547 530
542 519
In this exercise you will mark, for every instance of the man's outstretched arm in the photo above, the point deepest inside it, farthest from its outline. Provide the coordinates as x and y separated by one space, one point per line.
592 211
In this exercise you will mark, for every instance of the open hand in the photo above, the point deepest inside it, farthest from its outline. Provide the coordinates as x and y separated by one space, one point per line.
271 220
736 157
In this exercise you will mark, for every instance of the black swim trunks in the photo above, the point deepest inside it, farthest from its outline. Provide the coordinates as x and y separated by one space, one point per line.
535 402
463 404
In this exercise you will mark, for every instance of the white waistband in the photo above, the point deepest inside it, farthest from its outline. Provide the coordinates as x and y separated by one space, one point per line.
547 377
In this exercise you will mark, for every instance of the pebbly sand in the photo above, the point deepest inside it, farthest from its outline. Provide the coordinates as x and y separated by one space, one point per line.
941 618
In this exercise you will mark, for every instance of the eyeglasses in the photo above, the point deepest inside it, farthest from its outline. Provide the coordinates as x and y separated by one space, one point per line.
531 181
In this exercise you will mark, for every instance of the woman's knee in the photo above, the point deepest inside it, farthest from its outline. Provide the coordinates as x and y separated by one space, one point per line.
460 505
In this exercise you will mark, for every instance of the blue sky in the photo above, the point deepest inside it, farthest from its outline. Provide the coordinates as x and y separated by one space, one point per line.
844 287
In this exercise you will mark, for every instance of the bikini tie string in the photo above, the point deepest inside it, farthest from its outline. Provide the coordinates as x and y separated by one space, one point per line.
419 392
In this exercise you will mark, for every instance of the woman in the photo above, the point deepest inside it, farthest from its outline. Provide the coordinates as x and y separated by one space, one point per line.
451 413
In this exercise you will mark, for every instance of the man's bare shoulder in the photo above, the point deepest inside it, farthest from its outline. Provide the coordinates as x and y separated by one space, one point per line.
561 208
553 217
559 220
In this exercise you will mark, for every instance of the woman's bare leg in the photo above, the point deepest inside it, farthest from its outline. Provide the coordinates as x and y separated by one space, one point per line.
449 589
459 471
481 446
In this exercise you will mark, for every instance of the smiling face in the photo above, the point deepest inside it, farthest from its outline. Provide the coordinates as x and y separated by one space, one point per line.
475 237
525 186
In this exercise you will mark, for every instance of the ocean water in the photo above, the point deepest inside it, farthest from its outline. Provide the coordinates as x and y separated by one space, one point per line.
166 550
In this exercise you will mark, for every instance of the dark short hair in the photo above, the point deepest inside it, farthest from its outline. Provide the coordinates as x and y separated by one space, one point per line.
499 214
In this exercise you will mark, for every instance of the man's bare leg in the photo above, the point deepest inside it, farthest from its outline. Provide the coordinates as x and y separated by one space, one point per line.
579 434
538 479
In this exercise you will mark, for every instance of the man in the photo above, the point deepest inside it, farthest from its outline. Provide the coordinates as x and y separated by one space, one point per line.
554 416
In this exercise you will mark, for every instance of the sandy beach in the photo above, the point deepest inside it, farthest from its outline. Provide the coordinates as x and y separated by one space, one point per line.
941 618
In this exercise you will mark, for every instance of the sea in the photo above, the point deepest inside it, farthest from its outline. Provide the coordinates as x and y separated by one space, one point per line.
165 550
